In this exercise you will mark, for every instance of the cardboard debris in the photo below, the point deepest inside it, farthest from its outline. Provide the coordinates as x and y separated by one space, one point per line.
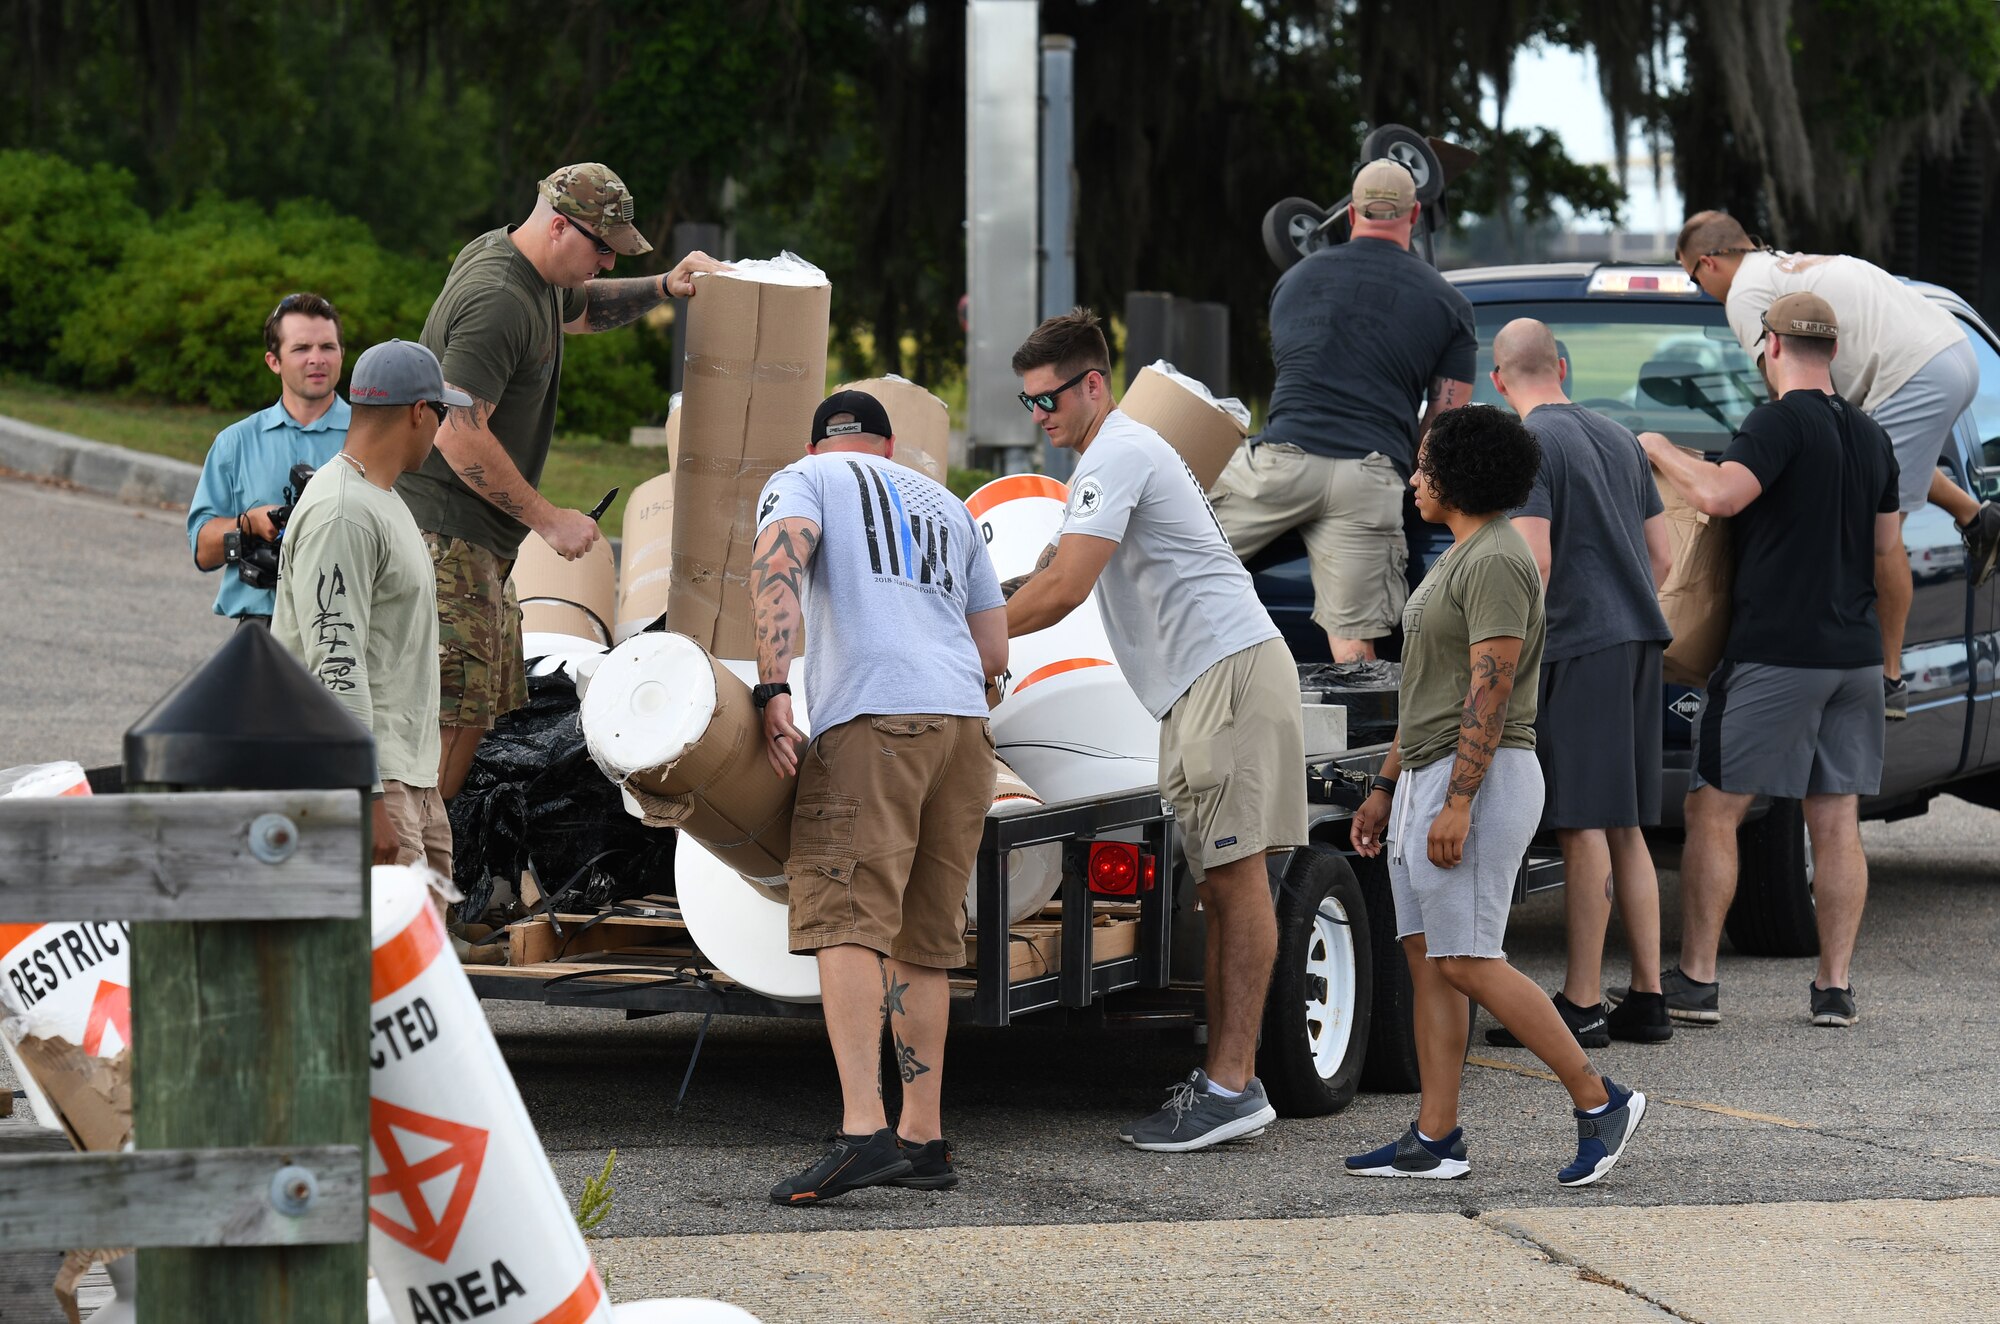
922 423
92 1095
1206 433
566 597
647 560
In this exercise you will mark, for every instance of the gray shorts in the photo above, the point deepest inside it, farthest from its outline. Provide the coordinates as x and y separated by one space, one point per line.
1789 731
1598 738
1462 911
1918 418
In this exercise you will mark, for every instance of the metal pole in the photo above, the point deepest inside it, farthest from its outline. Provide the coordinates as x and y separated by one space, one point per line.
251 1033
1058 252
1000 208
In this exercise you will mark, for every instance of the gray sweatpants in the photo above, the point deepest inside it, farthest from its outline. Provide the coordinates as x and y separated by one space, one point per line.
1462 911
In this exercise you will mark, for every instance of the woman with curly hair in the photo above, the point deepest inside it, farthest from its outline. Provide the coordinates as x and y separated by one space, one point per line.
1460 794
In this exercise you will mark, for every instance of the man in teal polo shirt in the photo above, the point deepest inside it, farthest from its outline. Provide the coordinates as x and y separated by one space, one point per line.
244 478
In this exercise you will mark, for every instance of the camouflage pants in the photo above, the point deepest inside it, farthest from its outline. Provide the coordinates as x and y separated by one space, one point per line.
481 677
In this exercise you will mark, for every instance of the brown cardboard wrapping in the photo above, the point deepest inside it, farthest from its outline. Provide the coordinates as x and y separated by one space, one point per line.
589 584
646 560
755 371
723 791
1204 435
922 423
92 1095
1696 596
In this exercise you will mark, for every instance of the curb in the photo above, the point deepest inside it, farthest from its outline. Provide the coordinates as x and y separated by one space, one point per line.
96 466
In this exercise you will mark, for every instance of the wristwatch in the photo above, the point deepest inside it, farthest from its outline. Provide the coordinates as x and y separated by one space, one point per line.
763 694
1386 785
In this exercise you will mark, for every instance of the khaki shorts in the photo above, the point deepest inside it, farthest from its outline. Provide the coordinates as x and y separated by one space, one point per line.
423 829
885 835
1350 514
1233 759
481 677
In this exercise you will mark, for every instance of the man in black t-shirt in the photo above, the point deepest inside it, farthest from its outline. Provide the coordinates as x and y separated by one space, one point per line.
1363 334
1795 708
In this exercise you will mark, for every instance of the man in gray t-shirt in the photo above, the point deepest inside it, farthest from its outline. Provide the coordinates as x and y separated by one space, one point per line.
906 622
1594 522
1202 655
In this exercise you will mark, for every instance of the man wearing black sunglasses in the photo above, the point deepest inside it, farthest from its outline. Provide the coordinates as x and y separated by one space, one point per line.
497 327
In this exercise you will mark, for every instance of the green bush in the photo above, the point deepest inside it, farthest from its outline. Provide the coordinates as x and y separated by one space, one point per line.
609 384
62 228
182 315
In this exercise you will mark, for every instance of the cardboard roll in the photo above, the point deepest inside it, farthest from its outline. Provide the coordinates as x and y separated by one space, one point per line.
677 730
1067 721
646 555
545 584
465 1215
1034 873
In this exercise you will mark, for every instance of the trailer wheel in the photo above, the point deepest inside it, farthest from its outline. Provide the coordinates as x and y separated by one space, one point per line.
1292 231
1773 913
1316 1017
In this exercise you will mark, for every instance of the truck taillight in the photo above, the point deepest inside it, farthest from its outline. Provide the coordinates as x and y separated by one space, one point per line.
1119 868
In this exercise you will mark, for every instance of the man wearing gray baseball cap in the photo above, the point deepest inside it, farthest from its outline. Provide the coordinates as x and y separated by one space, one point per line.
357 598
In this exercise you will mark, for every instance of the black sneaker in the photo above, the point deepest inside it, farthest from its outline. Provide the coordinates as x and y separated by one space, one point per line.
1895 699
930 1165
850 1163
1833 1006
1586 1023
1982 543
1689 1000
1640 1018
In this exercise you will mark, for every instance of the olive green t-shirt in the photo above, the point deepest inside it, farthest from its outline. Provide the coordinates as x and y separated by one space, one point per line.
497 328
1486 587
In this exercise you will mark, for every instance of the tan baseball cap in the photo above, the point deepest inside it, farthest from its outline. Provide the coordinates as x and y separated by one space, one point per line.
593 197
1801 314
1384 191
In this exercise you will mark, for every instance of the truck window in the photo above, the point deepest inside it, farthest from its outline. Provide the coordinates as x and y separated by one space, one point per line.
1982 417
1661 367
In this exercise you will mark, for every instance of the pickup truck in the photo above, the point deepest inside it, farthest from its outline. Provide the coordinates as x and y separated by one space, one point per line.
1648 349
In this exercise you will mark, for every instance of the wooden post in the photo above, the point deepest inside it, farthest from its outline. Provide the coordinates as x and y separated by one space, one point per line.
249 1034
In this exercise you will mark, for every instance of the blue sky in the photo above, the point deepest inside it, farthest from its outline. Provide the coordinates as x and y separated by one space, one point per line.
1557 88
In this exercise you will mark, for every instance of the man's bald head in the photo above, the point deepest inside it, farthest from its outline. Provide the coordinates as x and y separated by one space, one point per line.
1525 350
1708 233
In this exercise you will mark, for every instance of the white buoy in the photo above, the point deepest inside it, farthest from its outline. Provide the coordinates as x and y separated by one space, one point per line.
665 720
62 981
743 931
1068 723
1034 873
466 1219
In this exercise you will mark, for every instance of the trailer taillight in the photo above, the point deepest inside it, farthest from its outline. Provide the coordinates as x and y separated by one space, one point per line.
1119 868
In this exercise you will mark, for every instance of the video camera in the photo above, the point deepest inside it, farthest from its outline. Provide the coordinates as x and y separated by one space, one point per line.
256 560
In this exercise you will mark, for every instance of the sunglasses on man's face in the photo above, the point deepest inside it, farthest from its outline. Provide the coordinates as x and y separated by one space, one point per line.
1046 401
603 249
439 408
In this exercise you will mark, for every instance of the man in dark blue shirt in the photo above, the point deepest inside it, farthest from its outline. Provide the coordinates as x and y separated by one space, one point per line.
1364 334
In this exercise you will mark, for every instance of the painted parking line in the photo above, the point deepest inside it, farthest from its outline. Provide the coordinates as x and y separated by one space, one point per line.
1719 1109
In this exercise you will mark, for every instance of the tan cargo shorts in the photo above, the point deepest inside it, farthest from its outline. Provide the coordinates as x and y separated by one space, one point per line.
1350 514
481 677
423 828
885 835
1233 759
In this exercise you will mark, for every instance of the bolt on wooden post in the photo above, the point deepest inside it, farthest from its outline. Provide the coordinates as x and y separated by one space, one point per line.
251 1034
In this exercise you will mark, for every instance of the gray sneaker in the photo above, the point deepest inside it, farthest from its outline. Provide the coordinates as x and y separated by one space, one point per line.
1690 1000
1193 1118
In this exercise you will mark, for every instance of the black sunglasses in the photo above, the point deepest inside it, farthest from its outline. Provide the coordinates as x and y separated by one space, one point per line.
1046 401
440 408
603 249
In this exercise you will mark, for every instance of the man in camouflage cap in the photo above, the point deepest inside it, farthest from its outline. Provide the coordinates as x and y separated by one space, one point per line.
497 328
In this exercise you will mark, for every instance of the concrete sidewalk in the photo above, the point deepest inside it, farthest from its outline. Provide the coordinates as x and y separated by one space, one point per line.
95 466
1864 1260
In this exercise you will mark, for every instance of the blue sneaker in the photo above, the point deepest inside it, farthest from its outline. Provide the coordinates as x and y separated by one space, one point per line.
1414 1156
1601 1137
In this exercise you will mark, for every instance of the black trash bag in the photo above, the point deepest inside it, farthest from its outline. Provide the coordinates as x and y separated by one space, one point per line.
1366 689
534 796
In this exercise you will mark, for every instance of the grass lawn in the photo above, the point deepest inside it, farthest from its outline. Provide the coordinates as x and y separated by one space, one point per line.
579 471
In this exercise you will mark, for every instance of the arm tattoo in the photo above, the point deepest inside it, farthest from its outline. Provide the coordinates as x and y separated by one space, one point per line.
475 477
474 418
1008 588
468 418
1444 394
1481 721
776 577
615 303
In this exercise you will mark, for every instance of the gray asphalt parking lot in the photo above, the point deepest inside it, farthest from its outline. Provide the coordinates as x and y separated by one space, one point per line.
104 612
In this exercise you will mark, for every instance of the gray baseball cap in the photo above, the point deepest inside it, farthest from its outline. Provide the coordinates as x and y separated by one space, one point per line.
400 372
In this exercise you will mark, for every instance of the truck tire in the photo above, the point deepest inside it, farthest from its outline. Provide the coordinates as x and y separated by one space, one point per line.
1317 1014
1391 1065
1773 914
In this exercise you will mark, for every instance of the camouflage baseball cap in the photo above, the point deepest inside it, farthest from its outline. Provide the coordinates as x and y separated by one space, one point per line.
589 194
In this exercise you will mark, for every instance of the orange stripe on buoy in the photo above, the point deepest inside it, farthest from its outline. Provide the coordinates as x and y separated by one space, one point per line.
13 935
81 788
1058 668
1012 488
406 955
581 1304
